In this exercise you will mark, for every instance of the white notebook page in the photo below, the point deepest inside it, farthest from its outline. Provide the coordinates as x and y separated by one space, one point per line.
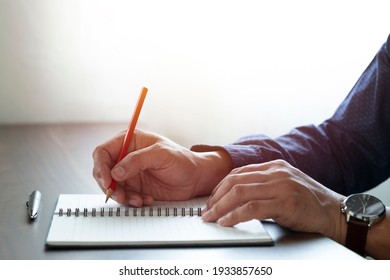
119 228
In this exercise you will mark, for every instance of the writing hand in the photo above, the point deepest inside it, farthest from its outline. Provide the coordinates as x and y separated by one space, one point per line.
156 168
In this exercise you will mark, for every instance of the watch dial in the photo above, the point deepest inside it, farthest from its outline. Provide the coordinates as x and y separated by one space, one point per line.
364 205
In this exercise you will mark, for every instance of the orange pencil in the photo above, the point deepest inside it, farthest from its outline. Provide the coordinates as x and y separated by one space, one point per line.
128 136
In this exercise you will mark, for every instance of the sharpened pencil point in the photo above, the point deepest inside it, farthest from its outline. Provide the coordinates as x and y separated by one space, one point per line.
108 194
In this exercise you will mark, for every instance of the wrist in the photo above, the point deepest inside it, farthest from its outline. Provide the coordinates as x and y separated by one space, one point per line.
212 168
377 245
337 228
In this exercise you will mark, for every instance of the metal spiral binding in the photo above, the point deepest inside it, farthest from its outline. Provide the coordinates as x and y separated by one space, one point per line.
142 212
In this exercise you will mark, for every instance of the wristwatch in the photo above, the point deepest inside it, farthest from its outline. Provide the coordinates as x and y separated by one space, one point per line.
362 211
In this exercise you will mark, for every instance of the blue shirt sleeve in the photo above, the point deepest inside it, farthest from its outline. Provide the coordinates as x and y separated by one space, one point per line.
349 152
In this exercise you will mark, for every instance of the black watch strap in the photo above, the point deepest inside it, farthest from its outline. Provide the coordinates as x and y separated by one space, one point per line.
356 236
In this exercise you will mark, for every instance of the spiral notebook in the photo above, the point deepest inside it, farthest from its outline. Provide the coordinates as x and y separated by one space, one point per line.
85 220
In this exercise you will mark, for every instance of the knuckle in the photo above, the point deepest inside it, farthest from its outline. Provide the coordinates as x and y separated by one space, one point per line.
159 146
96 172
232 179
280 162
282 173
252 207
233 216
235 170
238 190
285 172
215 211
97 151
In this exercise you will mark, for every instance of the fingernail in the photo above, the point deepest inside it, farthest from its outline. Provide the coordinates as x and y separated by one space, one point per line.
119 171
222 221
102 183
133 202
206 216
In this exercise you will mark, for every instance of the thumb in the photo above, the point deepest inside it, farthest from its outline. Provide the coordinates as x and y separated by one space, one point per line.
152 157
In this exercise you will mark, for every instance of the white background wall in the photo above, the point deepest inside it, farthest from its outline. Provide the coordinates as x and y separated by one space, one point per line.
216 70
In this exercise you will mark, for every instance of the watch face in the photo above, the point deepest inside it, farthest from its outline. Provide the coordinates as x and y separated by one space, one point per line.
364 207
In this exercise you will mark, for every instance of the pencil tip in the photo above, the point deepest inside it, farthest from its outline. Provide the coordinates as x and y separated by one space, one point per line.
108 194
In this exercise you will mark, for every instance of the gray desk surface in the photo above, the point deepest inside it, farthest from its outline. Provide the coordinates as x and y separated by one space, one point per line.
58 159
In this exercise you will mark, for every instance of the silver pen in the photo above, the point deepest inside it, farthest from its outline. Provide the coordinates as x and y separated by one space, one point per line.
33 204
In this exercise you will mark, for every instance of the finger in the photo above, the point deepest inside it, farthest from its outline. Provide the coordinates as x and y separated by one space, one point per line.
238 195
152 157
112 147
118 195
262 167
104 159
136 199
240 177
255 209
223 187
127 197
147 200
102 168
